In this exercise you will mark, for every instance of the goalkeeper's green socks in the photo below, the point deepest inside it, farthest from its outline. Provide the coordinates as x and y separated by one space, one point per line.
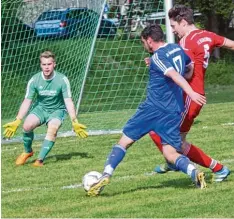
45 149
27 139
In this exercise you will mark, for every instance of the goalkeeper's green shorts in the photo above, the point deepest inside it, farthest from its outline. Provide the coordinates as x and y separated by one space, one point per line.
45 116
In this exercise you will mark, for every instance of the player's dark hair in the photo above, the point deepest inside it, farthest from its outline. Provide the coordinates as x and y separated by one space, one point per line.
47 54
179 12
154 31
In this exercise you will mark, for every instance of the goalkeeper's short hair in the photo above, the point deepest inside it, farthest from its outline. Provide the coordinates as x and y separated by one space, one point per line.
47 54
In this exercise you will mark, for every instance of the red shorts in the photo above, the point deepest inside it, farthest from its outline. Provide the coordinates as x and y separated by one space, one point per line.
191 111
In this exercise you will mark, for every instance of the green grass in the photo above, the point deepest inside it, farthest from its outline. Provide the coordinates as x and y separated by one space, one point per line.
29 192
114 87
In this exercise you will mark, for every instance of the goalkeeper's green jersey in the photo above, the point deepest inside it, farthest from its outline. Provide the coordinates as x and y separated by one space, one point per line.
50 93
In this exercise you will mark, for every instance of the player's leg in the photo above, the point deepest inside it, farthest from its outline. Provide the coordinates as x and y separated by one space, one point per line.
193 152
52 129
198 156
114 158
54 121
157 140
135 128
171 141
30 123
183 164
167 166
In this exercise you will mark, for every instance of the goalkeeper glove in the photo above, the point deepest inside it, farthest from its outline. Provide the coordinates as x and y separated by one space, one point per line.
10 128
79 129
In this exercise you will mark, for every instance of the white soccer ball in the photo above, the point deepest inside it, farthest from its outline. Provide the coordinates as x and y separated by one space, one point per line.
89 179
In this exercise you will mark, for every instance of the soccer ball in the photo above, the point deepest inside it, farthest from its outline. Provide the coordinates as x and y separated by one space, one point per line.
89 179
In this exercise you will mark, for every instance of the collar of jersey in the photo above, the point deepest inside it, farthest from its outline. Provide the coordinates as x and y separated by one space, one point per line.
161 46
48 79
190 32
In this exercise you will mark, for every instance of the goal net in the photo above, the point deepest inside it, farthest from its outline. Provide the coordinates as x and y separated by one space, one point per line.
104 60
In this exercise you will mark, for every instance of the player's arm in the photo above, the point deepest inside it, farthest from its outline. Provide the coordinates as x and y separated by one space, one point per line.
70 108
79 128
178 79
24 108
228 44
11 127
220 41
189 67
189 72
147 61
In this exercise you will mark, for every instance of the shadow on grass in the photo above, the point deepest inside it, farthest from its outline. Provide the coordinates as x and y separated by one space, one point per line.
197 122
184 184
69 156
181 183
60 157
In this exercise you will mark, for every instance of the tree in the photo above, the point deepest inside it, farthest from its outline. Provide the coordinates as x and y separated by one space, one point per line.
216 15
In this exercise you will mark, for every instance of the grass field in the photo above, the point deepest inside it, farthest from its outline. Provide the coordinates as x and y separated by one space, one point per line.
55 191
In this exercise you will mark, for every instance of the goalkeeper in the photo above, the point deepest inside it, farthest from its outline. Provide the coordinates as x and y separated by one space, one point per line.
52 102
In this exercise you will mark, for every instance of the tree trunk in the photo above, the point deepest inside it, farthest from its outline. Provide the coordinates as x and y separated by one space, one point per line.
213 25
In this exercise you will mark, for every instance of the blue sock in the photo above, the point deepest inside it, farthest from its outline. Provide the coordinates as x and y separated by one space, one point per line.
185 165
114 158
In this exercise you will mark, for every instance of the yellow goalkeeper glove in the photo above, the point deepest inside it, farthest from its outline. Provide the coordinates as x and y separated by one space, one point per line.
10 128
79 129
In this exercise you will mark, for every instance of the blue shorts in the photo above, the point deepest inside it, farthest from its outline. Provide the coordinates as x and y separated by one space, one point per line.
148 118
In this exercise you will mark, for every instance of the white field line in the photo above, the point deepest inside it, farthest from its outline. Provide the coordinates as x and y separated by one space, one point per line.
78 186
228 124
25 189
37 145
60 135
73 186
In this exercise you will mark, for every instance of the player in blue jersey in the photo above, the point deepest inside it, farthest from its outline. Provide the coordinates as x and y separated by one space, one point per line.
162 109
52 94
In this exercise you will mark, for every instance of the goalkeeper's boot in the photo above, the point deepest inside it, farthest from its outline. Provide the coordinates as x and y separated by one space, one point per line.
38 163
199 179
164 168
22 158
96 188
221 175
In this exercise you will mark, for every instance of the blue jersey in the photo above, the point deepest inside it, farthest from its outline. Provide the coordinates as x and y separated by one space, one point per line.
161 111
162 92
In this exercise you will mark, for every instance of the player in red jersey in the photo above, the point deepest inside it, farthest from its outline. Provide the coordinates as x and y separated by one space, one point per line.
198 44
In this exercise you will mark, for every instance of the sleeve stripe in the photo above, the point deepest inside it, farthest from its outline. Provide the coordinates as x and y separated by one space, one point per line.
169 69
160 64
28 87
68 86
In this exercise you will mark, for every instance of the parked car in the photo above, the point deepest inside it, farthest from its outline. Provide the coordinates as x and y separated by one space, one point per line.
71 22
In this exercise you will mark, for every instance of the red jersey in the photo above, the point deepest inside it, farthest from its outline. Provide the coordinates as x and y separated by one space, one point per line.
198 45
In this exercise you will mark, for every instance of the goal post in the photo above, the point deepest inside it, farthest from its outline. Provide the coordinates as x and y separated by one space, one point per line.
170 36
90 57
107 72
